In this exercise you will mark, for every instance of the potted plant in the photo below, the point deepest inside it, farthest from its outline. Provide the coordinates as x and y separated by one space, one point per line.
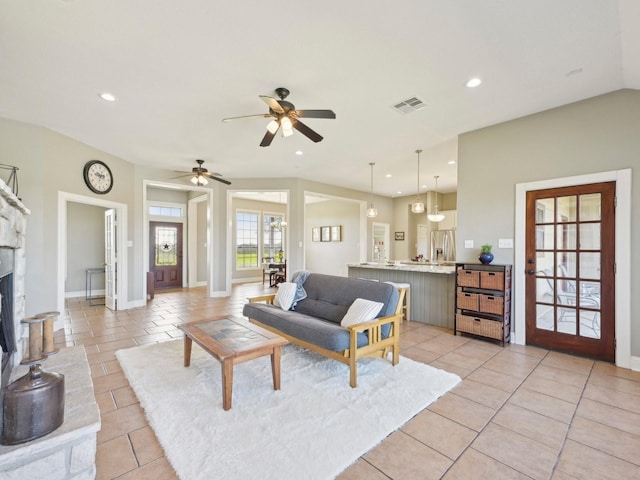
486 257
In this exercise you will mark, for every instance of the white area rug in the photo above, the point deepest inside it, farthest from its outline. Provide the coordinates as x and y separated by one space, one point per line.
313 428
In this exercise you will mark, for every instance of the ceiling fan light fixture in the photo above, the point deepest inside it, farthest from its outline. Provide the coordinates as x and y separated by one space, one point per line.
199 180
273 126
287 127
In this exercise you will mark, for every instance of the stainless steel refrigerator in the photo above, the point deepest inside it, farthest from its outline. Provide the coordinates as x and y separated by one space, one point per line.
443 246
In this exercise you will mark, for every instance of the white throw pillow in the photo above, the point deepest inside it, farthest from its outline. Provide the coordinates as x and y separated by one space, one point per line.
361 311
286 294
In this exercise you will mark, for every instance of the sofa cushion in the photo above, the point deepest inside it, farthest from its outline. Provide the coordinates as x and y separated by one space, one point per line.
285 295
361 311
329 297
312 330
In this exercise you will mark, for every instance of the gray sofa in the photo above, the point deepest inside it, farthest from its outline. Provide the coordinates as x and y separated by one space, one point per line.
315 321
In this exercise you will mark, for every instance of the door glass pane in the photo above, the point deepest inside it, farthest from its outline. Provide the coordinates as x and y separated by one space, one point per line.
591 289
545 210
567 320
567 208
566 237
166 239
544 290
589 324
590 265
544 237
590 207
590 236
544 317
566 264
544 263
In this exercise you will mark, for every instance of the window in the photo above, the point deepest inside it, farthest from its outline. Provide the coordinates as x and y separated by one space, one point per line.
165 211
271 235
247 239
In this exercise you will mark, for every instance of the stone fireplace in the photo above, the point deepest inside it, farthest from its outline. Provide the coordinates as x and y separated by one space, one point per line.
12 271
69 451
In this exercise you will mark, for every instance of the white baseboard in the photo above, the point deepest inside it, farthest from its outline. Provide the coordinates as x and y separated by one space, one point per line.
198 284
246 280
83 293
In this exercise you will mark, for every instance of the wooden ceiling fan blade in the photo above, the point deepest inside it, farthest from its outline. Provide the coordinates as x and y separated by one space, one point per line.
273 103
259 115
268 138
216 176
306 131
315 114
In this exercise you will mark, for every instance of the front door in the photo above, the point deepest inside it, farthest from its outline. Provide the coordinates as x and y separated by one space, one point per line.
570 281
165 253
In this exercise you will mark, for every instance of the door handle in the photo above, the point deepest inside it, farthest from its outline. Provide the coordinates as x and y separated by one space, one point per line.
531 271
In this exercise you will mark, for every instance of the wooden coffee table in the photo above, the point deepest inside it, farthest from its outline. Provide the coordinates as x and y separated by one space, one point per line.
232 341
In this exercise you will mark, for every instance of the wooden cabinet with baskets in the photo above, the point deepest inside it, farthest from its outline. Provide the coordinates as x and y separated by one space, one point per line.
483 300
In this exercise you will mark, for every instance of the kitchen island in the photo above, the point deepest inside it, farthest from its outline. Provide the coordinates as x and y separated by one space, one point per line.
432 287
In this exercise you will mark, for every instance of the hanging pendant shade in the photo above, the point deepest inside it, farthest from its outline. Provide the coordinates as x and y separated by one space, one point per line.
435 215
372 211
417 206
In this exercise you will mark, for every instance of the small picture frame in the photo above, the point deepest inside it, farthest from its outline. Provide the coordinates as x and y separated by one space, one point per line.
399 235
336 233
315 234
325 234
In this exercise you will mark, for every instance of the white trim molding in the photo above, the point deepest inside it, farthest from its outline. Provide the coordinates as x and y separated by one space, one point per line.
623 253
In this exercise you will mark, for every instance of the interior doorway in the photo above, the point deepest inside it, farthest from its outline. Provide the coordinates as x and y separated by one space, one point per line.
64 199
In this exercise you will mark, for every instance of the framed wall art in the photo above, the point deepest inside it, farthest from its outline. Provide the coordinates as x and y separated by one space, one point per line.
336 233
325 234
315 234
399 235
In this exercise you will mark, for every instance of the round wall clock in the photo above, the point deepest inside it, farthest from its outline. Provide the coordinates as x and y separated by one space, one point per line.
97 176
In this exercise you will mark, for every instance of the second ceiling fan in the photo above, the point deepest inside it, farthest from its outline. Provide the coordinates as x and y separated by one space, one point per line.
286 116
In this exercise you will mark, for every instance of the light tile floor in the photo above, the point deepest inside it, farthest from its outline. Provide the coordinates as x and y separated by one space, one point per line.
520 412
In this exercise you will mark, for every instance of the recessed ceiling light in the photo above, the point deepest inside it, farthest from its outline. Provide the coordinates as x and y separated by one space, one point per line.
399 193
299 152
388 175
451 162
474 82
108 97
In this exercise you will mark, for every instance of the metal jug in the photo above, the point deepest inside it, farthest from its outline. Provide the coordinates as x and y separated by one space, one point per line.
32 406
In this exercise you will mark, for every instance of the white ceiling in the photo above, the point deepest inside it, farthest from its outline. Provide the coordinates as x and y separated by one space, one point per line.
178 68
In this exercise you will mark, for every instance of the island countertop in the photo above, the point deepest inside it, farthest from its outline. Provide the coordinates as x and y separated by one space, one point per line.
407 267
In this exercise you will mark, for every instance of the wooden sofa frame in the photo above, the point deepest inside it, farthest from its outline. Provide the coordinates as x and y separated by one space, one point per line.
377 346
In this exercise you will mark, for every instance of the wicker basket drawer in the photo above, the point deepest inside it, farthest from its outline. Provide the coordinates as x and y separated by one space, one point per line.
467 301
480 326
491 304
468 278
492 280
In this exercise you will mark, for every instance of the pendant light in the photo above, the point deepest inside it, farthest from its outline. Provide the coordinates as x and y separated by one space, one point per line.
435 215
417 206
372 211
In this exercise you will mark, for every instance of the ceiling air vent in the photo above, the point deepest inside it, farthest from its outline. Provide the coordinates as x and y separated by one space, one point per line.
409 105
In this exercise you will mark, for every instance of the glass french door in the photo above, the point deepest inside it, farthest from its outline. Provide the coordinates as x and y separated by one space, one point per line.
570 281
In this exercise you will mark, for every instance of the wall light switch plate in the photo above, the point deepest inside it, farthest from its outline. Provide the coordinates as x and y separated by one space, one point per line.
505 243
468 244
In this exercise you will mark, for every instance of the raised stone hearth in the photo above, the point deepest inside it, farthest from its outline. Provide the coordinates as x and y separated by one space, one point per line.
69 452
